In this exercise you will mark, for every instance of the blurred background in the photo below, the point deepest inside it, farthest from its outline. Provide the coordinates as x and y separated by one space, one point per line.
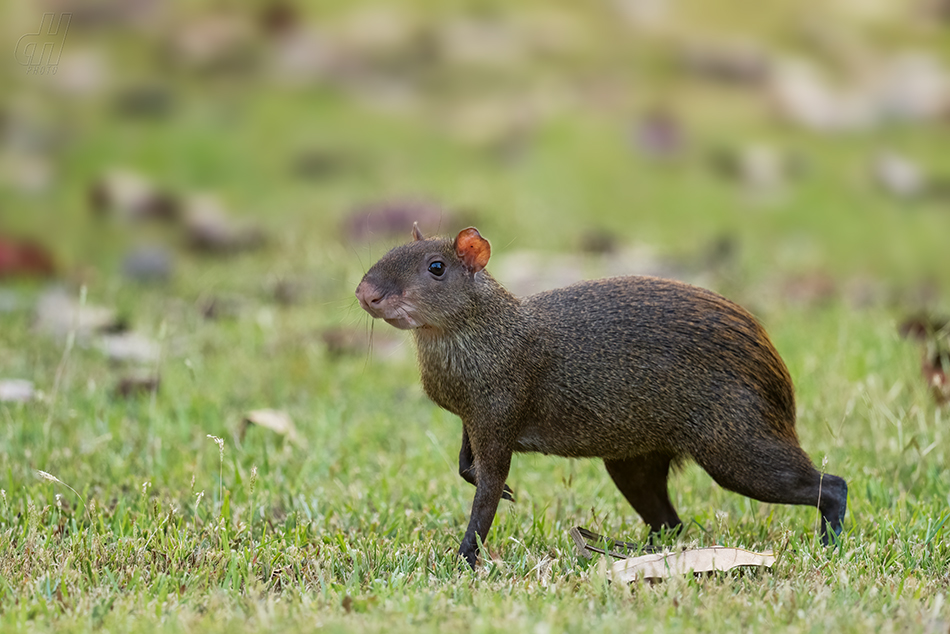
805 136
205 156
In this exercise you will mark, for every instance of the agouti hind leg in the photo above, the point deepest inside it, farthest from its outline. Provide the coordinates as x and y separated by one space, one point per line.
777 471
642 480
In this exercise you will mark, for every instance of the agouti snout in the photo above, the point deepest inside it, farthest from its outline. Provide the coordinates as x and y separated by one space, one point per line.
639 371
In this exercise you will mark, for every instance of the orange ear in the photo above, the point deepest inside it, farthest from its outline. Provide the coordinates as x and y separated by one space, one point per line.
472 249
416 234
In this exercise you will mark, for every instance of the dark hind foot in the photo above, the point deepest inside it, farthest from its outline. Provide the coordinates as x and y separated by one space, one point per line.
833 504
781 473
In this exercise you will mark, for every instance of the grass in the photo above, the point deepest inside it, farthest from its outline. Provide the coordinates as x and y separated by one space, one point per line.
146 522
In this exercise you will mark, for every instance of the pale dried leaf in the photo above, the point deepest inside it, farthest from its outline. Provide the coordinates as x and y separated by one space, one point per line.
58 313
16 391
129 347
275 420
661 565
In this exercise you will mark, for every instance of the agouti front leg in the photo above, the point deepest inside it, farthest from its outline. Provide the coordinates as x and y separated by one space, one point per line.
492 468
467 466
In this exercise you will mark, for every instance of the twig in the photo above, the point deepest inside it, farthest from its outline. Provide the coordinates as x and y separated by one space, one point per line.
582 538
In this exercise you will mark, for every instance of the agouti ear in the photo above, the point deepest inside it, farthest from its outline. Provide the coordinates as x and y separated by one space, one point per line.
416 234
473 250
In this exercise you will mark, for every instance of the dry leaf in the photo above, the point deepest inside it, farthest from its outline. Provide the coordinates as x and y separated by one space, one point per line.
660 565
131 196
129 347
588 543
898 175
58 313
275 420
385 219
24 258
16 391
210 228
138 382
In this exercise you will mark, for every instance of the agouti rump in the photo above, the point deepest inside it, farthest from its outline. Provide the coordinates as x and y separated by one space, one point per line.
639 371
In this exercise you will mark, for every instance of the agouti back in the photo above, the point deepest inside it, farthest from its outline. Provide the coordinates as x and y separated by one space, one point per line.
639 371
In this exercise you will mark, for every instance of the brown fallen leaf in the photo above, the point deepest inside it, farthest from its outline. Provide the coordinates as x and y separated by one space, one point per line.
660 135
935 368
385 219
923 327
933 332
662 565
810 289
219 307
143 382
221 42
130 196
210 228
587 543
320 163
275 420
19 258
736 62
278 18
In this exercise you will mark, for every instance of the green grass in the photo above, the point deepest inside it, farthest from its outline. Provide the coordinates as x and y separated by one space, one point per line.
357 529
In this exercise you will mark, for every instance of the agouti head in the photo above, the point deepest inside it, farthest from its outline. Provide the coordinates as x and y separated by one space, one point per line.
428 283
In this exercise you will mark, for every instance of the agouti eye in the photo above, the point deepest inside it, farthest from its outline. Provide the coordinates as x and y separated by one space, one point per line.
437 268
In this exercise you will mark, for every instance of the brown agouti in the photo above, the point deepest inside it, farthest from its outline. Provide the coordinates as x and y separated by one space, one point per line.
639 371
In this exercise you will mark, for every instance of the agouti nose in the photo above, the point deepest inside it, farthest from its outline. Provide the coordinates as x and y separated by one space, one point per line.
369 295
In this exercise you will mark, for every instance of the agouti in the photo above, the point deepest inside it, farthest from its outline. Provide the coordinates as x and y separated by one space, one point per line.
639 371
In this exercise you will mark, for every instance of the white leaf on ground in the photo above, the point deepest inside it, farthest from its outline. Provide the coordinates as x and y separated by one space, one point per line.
898 175
661 565
129 347
58 313
16 391
275 420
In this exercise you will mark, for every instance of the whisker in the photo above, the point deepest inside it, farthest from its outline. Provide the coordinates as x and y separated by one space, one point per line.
369 343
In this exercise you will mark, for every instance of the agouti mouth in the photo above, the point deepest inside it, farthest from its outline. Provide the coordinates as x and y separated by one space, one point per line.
403 323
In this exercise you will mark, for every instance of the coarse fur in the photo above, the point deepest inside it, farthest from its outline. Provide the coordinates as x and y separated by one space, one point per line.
639 371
